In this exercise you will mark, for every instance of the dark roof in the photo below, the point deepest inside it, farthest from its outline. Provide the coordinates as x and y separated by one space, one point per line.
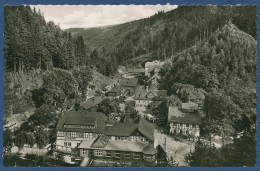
177 116
189 106
149 150
92 102
130 103
121 129
115 90
147 129
129 82
141 94
101 142
135 70
151 65
81 118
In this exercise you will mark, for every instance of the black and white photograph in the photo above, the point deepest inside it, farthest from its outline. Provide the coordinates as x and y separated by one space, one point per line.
129 85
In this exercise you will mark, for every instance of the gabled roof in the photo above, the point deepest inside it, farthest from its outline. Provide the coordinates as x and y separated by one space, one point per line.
149 150
177 116
151 65
92 102
115 90
189 106
101 142
121 129
80 118
147 129
141 94
135 70
129 82
130 103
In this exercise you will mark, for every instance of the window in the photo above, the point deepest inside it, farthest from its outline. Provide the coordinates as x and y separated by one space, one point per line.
67 144
127 155
88 135
117 155
60 134
108 153
84 152
98 152
73 134
136 156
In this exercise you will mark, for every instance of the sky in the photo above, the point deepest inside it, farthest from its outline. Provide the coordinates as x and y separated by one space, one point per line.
86 16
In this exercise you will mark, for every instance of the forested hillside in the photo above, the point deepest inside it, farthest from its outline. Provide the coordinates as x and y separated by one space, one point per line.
224 67
162 35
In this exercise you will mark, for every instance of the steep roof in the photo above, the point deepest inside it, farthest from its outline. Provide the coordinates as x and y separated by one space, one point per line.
130 103
149 150
147 129
129 82
189 106
135 70
86 143
115 90
121 129
151 65
141 94
92 102
101 142
82 118
177 116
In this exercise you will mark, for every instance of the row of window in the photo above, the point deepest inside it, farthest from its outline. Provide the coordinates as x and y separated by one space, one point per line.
132 138
80 126
67 144
184 125
75 135
185 132
127 155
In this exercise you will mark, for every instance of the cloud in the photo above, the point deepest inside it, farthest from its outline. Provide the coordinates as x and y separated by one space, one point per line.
85 16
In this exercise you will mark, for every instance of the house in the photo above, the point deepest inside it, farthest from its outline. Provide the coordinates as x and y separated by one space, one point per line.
152 66
92 135
143 98
134 73
129 85
181 122
74 127
153 81
91 104
189 107
114 92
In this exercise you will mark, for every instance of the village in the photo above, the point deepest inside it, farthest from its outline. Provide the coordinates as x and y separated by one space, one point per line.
146 129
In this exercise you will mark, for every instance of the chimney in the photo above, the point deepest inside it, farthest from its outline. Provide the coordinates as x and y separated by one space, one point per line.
146 88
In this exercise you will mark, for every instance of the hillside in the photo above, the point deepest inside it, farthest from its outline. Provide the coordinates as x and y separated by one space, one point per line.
225 67
104 39
164 34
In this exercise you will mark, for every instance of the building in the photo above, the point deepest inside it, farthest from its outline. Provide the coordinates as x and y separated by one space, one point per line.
182 122
153 81
129 85
152 67
114 92
92 135
189 107
91 104
143 98
74 127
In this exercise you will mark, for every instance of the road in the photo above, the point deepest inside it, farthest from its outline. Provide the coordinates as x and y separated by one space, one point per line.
175 149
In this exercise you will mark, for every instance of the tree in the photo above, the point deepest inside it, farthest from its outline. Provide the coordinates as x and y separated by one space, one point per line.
8 140
42 138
